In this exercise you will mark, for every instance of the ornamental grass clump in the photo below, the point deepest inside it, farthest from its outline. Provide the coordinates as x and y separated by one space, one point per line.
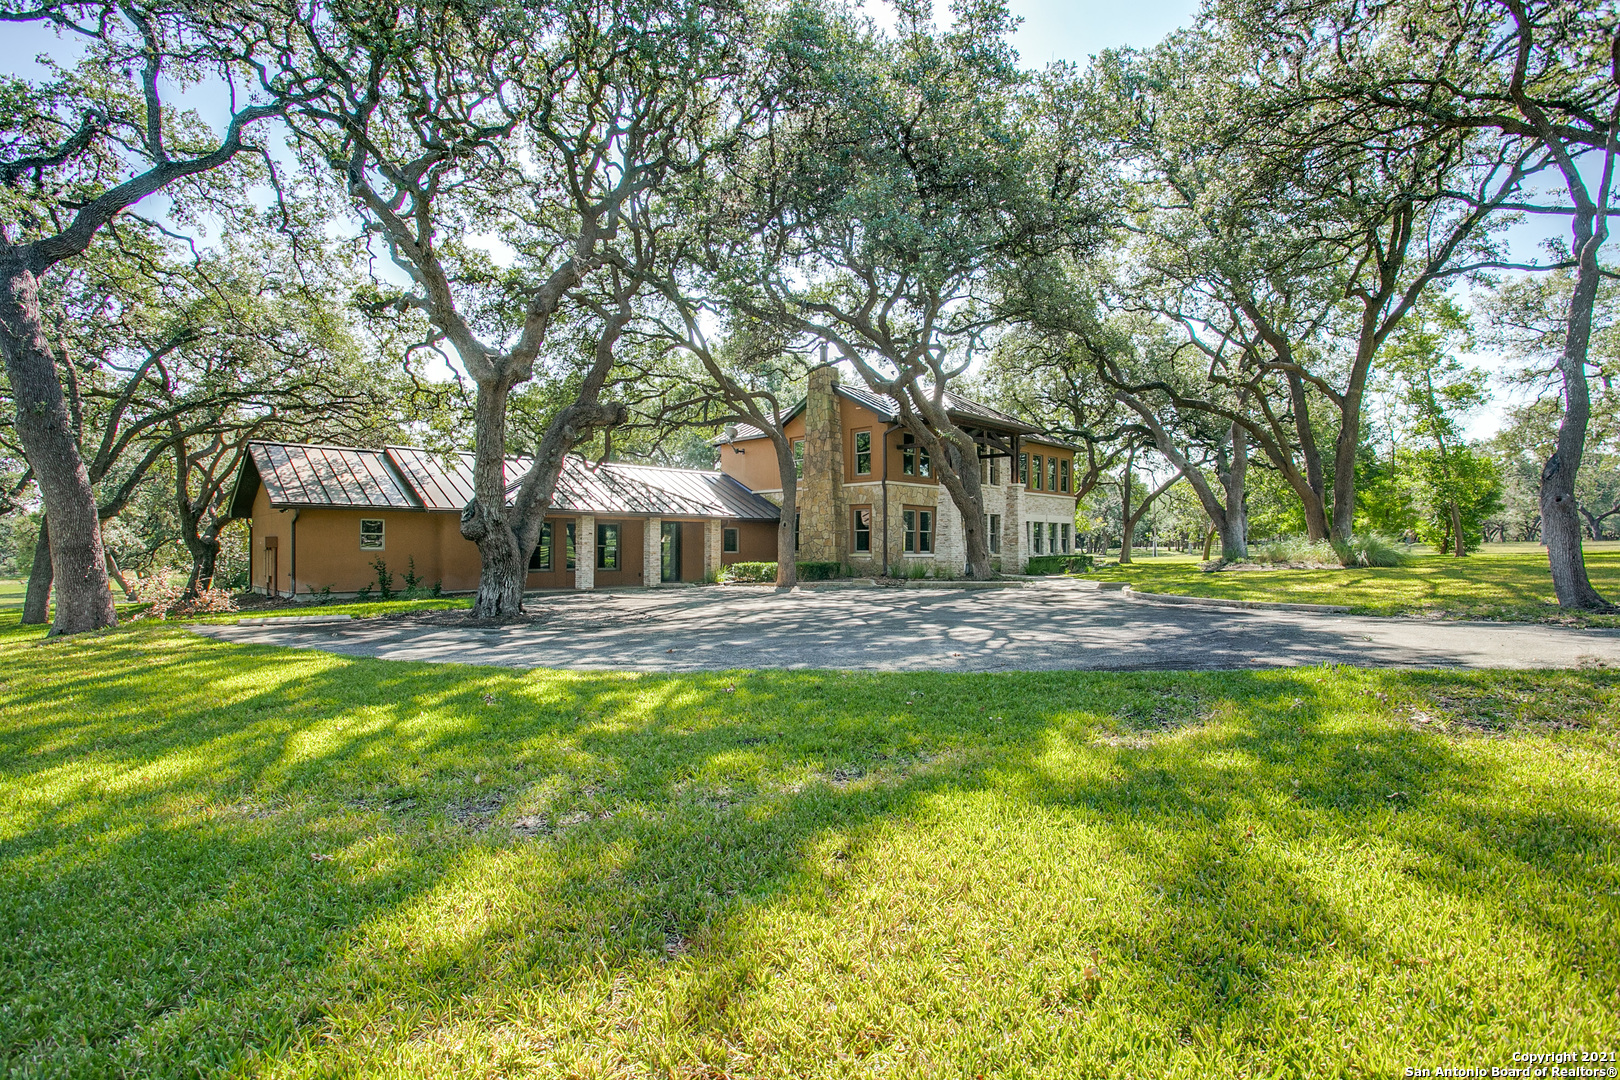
1373 549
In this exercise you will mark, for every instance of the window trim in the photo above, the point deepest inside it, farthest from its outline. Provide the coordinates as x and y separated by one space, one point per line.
382 534
867 434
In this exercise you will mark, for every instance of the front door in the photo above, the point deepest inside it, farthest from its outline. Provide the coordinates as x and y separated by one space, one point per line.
670 551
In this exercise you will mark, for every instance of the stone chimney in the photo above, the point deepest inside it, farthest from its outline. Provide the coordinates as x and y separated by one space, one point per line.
821 539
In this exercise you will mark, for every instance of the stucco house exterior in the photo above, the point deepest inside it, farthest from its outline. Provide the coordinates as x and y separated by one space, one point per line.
322 516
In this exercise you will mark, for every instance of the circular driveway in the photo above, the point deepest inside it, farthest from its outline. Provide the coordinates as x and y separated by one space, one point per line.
1052 625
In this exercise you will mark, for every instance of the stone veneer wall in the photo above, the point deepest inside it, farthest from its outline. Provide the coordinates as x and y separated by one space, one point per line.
822 535
1039 506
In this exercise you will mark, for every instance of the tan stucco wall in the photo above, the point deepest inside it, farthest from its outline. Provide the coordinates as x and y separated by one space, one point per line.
756 541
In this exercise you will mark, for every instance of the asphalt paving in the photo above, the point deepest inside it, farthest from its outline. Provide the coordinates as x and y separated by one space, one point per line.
1046 626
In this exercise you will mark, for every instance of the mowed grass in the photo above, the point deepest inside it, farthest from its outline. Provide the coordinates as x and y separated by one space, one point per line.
12 591
1513 585
244 861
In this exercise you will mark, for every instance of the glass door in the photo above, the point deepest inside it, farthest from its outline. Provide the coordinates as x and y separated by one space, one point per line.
670 551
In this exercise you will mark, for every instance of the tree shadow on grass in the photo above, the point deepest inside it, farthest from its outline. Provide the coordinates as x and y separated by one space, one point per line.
335 863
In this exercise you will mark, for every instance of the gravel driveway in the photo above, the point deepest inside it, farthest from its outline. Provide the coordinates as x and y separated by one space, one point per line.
1045 626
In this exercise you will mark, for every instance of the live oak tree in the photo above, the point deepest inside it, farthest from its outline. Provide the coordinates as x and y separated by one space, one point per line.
1288 238
1537 77
83 146
543 129
887 205
175 359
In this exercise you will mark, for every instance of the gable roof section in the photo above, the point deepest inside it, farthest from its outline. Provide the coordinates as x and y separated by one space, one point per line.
297 475
958 407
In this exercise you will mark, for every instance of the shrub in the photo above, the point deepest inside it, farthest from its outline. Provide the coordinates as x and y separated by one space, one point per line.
1061 564
1295 549
163 597
1373 549
751 572
819 571
385 579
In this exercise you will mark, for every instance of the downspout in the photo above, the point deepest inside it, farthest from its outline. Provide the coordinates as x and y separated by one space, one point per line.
292 576
885 486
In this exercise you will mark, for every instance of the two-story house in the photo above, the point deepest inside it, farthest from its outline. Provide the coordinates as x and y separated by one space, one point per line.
325 517
868 496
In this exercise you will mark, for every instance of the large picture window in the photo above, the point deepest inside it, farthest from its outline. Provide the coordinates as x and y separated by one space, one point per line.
863 453
371 534
863 528
607 546
540 558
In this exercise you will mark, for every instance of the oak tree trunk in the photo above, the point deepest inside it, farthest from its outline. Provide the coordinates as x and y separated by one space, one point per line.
37 604
1560 525
502 562
787 559
78 564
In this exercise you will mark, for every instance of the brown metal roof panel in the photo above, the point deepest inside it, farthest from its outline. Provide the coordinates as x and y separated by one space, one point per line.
288 485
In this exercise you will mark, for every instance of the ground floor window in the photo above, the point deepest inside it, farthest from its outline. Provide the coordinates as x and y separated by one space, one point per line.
994 531
919 529
540 558
730 542
1066 528
1038 532
371 534
795 530
863 528
568 540
607 546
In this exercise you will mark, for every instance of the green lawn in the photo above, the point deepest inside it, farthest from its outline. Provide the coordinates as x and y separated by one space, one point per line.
1494 584
12 591
220 860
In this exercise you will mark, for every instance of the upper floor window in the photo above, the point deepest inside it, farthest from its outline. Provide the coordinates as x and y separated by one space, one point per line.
995 472
798 459
1023 469
913 458
371 534
1063 476
863 453
1051 474
730 541
863 528
1040 482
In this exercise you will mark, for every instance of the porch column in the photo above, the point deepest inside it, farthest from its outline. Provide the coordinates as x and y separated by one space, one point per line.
585 552
652 551
711 549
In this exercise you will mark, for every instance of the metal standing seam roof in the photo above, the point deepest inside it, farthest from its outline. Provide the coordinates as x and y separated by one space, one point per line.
402 477
329 476
885 407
